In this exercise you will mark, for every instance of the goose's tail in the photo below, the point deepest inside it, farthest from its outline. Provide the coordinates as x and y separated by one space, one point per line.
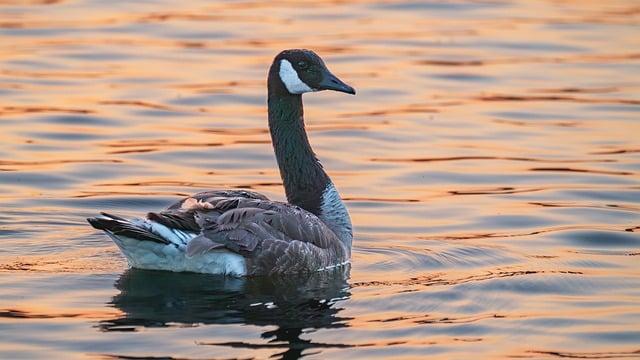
145 243
149 244
118 227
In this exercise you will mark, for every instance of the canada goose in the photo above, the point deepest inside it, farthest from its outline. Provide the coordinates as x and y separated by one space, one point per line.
238 232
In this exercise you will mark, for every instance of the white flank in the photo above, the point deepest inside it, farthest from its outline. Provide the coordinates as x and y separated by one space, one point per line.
291 80
154 256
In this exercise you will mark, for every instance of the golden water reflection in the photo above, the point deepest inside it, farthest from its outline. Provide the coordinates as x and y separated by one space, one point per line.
489 161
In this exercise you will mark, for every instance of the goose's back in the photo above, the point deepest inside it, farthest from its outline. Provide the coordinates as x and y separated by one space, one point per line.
271 236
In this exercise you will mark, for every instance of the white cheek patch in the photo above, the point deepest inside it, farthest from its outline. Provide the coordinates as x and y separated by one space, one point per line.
290 79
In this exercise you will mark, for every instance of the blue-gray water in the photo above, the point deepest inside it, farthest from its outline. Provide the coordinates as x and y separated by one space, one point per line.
490 163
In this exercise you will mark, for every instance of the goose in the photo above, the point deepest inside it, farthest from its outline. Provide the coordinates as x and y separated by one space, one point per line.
243 233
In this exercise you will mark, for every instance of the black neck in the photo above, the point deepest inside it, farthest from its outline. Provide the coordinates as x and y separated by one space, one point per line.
302 174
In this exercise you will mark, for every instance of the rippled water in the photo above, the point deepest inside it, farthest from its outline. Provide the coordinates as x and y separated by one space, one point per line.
490 162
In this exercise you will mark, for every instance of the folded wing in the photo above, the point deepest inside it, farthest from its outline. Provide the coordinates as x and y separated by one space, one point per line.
274 237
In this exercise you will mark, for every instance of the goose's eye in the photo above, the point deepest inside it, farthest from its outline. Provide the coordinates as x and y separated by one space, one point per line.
303 65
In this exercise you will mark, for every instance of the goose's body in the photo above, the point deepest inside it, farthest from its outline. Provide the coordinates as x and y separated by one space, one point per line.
239 233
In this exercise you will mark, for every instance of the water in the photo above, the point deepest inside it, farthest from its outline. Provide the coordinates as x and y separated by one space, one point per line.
490 163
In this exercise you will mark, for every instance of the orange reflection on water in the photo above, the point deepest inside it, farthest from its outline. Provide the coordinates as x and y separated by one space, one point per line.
489 163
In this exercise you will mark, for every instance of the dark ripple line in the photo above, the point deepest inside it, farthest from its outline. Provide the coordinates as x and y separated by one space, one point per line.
575 90
426 319
526 123
577 170
522 98
133 357
506 235
587 355
155 17
240 131
411 109
604 252
52 74
159 143
13 110
138 103
90 194
535 59
615 152
17 165
192 184
217 85
434 280
380 199
495 191
51 162
484 157
632 229
301 345
133 151
570 205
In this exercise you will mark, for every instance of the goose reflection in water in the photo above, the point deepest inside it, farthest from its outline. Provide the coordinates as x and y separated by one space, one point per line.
161 299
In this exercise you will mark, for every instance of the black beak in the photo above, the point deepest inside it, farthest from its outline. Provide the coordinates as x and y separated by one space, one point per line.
331 82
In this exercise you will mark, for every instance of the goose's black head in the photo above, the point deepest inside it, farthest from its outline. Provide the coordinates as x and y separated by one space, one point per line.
298 71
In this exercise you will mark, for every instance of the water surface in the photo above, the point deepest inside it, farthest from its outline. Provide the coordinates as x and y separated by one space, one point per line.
490 163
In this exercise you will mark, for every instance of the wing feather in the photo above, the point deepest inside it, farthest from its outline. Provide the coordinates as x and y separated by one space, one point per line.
274 237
